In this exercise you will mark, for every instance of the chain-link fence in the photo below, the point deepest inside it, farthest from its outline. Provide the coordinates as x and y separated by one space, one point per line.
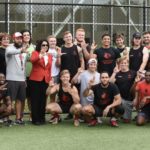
44 19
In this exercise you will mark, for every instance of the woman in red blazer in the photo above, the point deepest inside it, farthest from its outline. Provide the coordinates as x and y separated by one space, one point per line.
39 79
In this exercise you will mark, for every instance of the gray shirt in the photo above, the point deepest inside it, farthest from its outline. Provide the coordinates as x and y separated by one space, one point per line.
84 79
15 60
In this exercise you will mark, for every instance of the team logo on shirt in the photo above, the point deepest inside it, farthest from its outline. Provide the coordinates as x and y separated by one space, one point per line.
104 98
65 98
107 55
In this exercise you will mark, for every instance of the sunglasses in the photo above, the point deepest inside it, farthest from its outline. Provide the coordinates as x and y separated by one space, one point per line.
44 45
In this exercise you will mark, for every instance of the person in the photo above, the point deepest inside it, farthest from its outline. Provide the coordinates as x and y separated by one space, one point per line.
142 100
4 42
120 45
15 74
69 101
146 42
107 101
124 79
83 77
54 50
5 101
72 57
30 48
39 79
80 41
106 55
138 55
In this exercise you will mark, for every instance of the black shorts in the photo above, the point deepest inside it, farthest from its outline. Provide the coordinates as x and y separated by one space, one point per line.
17 90
65 108
145 111
99 111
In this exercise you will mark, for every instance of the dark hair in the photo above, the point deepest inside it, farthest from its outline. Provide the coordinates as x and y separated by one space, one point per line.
105 34
39 44
104 72
26 30
146 32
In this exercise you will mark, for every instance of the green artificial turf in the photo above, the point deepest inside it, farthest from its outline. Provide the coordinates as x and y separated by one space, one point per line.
65 136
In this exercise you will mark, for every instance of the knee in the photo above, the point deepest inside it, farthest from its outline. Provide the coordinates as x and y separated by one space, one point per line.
77 108
140 121
86 110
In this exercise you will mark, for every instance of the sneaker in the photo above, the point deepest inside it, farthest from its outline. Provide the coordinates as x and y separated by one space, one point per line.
53 118
114 123
93 122
76 122
8 123
19 122
99 121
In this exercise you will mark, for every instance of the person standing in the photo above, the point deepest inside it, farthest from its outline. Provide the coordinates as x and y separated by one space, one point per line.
4 42
146 42
54 51
124 79
72 57
138 55
106 55
30 48
39 79
15 74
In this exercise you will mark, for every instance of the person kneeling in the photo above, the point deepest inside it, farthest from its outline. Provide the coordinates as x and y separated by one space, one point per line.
69 101
107 101
5 101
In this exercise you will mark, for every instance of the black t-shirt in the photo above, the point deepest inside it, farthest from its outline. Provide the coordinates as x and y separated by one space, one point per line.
104 96
135 58
2 61
70 60
64 97
124 81
107 59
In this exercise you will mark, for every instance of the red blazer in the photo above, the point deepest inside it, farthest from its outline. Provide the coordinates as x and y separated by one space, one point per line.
39 70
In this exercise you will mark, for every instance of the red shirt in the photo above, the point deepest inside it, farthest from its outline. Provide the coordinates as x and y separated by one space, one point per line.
143 89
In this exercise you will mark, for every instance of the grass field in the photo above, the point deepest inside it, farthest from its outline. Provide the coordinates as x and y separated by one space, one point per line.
65 136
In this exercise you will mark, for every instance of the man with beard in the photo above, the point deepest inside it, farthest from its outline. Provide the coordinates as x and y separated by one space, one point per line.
15 74
107 101
142 99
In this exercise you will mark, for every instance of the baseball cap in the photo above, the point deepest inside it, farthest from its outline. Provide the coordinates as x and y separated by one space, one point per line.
17 34
92 60
137 35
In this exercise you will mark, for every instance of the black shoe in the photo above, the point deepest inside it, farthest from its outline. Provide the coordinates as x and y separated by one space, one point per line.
36 123
68 117
19 122
8 123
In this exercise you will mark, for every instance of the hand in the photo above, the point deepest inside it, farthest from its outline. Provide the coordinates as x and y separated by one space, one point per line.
143 102
84 45
116 70
91 82
3 87
80 70
24 48
135 103
75 41
51 83
93 46
106 110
